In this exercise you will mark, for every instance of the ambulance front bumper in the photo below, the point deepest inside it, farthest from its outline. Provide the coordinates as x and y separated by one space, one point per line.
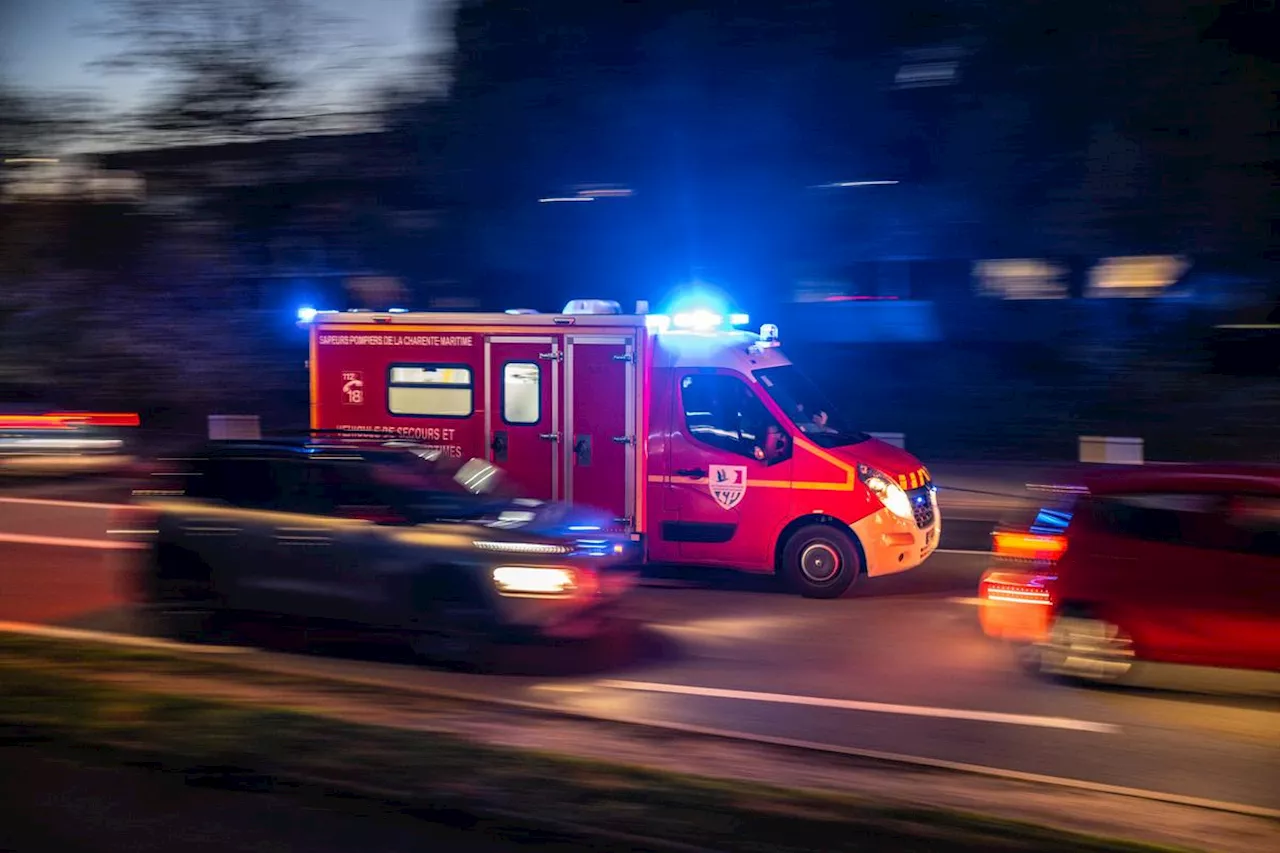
894 544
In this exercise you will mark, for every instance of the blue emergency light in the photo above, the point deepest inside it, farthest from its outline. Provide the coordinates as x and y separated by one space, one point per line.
700 320
306 314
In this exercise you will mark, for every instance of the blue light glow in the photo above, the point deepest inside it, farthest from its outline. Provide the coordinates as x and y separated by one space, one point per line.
306 314
701 307
657 322
700 320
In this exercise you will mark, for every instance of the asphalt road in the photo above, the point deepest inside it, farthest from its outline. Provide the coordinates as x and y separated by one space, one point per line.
900 666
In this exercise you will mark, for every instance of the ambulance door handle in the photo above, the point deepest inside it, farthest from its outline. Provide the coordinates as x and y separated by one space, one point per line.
582 449
691 472
549 436
499 446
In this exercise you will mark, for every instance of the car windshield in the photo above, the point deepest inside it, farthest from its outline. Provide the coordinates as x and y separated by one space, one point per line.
807 407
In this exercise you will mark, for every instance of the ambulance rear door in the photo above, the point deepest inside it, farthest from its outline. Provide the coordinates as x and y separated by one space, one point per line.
522 416
600 420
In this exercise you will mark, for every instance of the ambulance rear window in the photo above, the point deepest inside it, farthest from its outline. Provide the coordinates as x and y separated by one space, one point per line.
431 390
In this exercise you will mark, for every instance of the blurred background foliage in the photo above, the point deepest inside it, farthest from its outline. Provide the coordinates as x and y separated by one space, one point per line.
158 263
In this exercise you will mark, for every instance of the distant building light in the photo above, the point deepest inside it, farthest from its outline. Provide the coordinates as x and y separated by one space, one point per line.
923 74
605 193
23 161
1020 278
556 199
1138 276
844 184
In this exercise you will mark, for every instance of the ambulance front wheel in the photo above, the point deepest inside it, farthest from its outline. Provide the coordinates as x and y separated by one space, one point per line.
821 561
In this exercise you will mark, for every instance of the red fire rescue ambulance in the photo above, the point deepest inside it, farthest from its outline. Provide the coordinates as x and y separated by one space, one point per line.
701 439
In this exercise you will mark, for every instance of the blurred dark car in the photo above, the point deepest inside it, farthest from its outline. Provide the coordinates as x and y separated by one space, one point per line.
1150 574
387 535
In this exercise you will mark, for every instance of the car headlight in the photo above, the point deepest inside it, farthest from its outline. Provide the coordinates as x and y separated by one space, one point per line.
534 580
890 493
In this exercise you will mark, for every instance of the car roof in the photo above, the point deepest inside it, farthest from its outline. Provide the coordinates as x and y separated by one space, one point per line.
1261 478
317 446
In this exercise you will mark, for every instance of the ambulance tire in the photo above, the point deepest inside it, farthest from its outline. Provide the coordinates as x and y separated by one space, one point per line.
821 561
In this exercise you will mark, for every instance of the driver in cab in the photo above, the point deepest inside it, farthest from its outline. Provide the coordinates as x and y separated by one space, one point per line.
817 424
774 446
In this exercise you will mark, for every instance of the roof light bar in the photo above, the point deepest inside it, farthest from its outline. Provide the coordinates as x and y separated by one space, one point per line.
700 320
657 322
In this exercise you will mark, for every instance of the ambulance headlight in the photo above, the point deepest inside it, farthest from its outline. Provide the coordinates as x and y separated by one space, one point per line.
534 580
890 493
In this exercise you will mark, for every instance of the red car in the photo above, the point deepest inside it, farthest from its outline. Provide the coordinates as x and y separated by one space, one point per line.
1146 574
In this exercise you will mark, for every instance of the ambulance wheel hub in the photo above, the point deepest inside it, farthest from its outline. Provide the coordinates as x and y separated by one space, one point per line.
820 562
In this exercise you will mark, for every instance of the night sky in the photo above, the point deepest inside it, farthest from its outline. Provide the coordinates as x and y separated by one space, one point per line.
42 45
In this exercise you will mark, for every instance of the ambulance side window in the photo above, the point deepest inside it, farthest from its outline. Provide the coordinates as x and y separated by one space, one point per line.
521 392
721 411
430 390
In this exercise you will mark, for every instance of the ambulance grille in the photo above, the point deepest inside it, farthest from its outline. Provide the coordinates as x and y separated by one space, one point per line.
922 506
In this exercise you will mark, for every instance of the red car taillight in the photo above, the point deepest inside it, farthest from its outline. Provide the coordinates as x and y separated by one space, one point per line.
103 419
1029 547
1016 588
69 420
1015 606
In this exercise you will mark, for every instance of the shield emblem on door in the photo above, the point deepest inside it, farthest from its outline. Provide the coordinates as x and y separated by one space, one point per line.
728 483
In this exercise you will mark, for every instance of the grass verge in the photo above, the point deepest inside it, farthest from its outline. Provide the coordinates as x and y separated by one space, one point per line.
46 692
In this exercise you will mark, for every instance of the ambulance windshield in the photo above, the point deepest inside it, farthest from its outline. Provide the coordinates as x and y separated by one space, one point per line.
807 407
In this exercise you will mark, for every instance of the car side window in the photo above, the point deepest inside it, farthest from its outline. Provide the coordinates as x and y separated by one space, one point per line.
722 412
1194 520
294 490
327 486
1257 518
241 482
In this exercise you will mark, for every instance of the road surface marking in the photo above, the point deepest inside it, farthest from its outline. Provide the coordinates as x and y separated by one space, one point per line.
64 542
289 665
871 707
114 639
73 504
968 602
963 552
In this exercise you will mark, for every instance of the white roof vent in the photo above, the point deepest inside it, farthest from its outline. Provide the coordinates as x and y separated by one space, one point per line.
592 306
